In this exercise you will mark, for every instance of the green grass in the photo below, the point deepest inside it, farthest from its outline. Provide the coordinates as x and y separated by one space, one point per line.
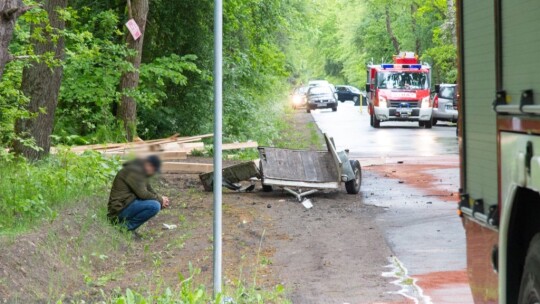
32 192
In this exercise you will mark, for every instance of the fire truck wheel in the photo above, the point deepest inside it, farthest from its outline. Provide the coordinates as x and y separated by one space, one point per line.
353 186
376 122
529 292
371 120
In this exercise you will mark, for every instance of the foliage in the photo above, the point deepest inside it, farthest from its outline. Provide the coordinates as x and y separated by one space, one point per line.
33 191
349 34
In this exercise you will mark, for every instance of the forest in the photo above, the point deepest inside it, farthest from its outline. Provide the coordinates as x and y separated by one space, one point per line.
65 67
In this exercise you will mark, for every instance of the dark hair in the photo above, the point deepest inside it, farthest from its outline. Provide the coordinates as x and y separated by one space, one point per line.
155 161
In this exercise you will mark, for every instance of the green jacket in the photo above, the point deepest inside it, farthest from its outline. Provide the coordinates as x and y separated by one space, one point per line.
130 183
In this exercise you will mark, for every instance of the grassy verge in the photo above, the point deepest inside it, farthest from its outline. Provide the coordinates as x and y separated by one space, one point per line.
31 192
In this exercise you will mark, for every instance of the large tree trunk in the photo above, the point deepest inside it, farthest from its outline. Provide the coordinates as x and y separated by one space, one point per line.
127 112
41 84
395 42
10 10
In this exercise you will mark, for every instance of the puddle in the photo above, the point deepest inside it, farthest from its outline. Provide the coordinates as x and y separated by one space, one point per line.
408 287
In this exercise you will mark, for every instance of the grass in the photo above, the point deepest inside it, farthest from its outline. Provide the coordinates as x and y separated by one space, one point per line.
31 193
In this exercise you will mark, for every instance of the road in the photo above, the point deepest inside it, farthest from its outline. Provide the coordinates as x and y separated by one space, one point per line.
413 173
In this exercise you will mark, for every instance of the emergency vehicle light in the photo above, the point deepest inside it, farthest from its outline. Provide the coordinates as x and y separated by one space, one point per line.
416 66
387 66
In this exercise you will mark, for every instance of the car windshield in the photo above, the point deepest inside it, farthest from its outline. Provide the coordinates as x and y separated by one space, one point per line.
354 90
402 80
301 90
447 92
320 90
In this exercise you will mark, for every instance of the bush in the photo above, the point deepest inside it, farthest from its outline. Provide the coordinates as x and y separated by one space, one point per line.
34 191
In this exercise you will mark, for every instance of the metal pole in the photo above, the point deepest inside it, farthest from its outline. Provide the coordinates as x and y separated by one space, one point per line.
218 121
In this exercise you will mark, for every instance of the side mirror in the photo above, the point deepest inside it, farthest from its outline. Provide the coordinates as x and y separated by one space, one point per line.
437 88
368 88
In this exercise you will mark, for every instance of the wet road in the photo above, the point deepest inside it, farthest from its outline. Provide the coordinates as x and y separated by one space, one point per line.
413 173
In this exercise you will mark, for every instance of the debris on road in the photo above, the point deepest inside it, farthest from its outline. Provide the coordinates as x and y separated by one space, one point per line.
169 227
232 175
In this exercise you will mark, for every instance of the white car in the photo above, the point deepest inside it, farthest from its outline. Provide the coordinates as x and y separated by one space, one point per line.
445 103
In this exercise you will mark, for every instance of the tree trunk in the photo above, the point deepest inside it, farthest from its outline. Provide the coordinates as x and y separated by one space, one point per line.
41 84
395 42
451 20
10 10
127 112
417 45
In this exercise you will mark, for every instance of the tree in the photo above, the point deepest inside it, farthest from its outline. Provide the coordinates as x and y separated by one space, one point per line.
10 10
41 84
127 112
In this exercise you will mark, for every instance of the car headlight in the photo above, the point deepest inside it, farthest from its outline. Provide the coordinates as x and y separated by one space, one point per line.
297 99
425 102
382 102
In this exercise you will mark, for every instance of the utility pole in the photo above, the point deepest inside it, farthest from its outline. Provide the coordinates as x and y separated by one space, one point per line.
218 122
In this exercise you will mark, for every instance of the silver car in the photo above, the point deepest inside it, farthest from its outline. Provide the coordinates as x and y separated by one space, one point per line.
445 103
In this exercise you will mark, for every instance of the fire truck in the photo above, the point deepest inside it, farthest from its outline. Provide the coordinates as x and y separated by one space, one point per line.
499 135
399 91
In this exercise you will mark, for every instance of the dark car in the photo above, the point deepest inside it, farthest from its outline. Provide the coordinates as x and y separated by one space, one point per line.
346 92
321 97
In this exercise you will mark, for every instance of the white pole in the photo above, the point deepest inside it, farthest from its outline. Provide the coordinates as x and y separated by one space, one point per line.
218 121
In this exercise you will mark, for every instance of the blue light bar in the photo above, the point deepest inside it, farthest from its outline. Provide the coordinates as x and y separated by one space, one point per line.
416 66
387 66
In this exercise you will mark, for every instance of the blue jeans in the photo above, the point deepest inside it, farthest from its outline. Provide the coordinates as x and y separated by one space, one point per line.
138 212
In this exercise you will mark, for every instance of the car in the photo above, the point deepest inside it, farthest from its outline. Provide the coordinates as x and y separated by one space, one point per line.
347 92
445 103
317 83
321 97
299 97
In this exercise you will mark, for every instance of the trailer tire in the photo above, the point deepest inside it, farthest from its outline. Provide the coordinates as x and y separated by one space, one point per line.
529 292
353 186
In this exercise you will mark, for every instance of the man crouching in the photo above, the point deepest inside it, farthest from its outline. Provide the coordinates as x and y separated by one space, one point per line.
132 201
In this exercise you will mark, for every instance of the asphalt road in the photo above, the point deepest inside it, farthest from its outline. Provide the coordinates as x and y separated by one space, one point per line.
413 173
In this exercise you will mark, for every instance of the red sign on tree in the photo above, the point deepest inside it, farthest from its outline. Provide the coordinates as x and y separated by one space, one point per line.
134 29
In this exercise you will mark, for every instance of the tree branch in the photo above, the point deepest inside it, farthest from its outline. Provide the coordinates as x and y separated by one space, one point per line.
15 12
22 57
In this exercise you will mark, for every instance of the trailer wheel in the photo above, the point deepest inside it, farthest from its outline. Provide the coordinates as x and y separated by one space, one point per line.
529 292
353 186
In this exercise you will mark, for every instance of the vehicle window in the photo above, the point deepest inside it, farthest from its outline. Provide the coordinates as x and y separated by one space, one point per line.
342 89
402 80
447 92
320 90
301 90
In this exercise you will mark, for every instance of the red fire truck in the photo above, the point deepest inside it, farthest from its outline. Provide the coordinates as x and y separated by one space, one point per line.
399 91
499 135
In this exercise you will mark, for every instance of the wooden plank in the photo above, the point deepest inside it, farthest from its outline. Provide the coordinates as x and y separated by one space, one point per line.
242 145
165 155
177 167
